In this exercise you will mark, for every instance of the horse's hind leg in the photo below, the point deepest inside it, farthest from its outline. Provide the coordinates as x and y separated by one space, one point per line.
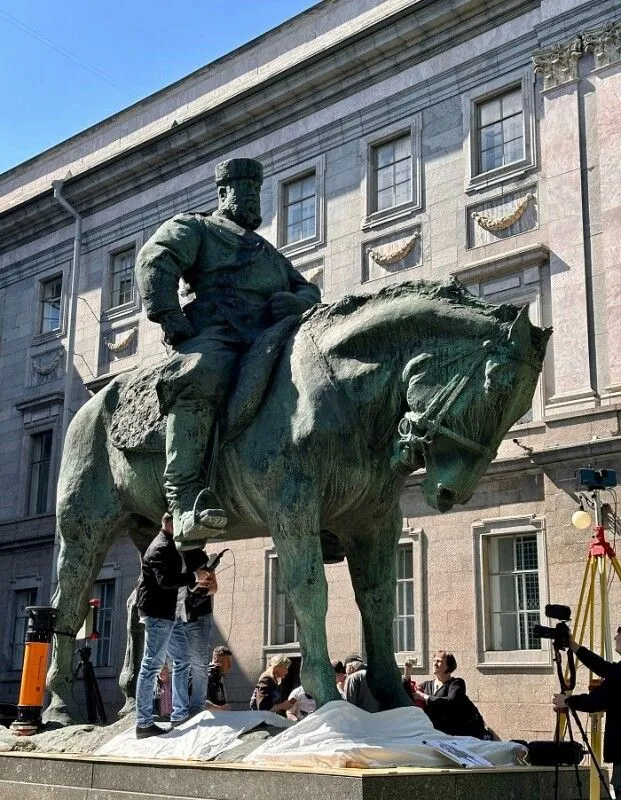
85 538
300 562
371 548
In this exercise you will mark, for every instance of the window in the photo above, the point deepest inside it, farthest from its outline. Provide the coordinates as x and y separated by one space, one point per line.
500 130
511 591
104 591
514 592
40 460
391 163
300 209
22 599
282 627
122 278
404 624
49 312
392 173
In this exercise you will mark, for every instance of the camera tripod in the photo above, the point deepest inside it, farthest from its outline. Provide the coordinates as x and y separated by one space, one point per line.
95 710
601 564
567 682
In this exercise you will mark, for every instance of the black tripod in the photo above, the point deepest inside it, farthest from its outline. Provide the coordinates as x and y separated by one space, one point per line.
567 686
94 704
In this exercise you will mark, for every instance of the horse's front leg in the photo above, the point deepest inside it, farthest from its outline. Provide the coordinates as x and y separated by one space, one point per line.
296 536
371 558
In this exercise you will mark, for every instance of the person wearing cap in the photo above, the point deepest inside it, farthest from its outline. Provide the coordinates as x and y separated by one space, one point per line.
267 694
242 286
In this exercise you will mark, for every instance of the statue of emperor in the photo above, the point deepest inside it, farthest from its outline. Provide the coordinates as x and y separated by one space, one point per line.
242 286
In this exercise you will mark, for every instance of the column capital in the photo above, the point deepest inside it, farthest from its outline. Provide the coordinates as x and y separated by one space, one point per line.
559 64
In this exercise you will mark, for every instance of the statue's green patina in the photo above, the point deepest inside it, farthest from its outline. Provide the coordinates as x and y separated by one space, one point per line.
365 390
242 286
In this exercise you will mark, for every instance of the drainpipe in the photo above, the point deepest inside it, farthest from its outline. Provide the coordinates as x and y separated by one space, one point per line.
70 349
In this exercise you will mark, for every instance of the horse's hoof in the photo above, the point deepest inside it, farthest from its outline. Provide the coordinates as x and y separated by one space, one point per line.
59 717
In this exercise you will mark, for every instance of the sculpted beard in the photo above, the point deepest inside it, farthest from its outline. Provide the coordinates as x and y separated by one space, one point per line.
246 217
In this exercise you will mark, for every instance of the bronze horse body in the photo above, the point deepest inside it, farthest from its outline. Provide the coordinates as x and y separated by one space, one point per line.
366 390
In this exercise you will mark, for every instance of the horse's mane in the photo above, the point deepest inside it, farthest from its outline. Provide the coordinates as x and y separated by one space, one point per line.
451 290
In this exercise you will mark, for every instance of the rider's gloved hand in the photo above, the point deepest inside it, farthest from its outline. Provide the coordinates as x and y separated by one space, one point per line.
176 328
284 304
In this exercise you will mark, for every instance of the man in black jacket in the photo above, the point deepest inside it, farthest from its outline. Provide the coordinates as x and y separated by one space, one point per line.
162 610
605 697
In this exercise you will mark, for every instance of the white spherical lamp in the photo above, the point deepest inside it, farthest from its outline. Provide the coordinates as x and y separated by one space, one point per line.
581 519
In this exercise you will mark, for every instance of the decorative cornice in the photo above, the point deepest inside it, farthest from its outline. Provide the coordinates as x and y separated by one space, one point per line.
604 43
559 64
391 253
487 268
502 223
382 51
40 401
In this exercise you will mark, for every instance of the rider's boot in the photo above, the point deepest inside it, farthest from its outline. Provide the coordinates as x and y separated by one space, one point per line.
188 427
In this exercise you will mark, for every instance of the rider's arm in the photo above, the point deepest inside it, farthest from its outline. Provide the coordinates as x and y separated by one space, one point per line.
167 256
305 291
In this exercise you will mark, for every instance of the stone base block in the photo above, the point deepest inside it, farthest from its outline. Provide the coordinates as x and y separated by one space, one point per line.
25 776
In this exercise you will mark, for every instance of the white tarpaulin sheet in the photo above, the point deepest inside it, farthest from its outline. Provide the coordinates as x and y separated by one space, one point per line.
342 735
201 738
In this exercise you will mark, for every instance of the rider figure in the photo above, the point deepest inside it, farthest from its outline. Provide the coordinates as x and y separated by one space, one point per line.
242 285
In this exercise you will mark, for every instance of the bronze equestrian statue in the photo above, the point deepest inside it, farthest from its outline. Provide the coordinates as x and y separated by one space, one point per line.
328 414
242 285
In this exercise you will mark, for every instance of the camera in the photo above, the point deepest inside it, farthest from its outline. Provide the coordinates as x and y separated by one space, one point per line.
559 634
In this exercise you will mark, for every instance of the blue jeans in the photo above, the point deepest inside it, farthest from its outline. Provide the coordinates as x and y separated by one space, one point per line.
161 637
199 636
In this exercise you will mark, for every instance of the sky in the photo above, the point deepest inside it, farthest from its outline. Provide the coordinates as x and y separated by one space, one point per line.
65 65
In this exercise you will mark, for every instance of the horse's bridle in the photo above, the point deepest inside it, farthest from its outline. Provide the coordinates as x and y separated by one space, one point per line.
418 430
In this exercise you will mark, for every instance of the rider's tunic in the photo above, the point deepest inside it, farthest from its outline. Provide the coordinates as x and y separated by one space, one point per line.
233 274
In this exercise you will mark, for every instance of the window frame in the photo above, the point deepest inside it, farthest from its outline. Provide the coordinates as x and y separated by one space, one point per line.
112 306
286 178
471 101
39 336
411 127
131 307
270 623
484 531
105 581
11 641
50 472
413 537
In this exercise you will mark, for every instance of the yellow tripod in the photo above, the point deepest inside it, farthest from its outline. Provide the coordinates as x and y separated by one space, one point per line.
600 562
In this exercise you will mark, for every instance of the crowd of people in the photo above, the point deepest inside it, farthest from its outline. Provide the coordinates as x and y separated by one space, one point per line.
175 603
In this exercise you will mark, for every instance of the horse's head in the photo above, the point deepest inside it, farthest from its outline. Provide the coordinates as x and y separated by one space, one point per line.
462 403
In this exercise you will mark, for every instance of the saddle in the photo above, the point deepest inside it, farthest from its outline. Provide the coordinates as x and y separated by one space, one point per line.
138 425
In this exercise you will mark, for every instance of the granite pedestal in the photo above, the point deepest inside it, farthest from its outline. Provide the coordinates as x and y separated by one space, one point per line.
26 776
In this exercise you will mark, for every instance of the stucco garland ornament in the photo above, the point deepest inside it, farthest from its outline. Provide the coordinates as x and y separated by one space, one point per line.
47 369
502 223
116 347
386 256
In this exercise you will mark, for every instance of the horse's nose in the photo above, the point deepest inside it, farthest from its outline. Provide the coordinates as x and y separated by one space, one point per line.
445 498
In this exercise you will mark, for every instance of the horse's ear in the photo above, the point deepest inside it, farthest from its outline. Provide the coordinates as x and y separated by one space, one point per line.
414 366
519 332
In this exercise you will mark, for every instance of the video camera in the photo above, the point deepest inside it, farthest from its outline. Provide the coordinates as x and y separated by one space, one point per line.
559 634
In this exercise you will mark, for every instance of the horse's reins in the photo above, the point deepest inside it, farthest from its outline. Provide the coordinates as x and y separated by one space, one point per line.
443 402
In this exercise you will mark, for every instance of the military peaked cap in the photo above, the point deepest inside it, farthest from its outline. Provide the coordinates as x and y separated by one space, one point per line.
238 168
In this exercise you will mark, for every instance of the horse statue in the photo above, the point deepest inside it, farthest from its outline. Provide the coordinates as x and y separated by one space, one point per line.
364 392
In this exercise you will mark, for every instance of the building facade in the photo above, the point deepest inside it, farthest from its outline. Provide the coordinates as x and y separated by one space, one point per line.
401 139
